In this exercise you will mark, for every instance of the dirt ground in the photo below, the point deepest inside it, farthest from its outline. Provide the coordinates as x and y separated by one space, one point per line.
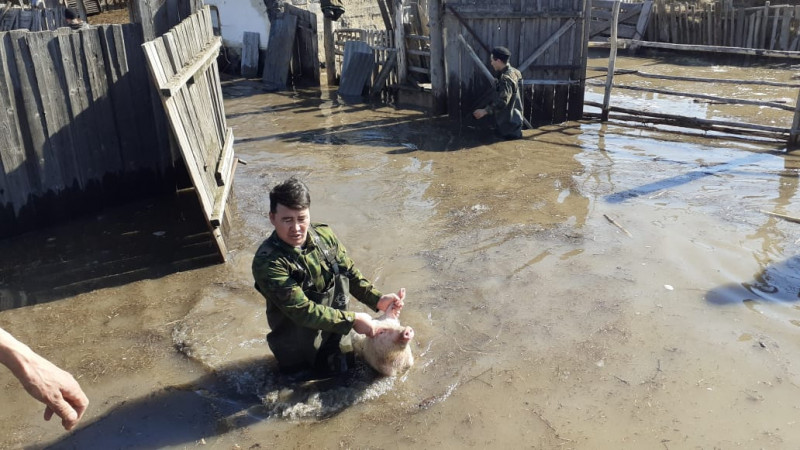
591 286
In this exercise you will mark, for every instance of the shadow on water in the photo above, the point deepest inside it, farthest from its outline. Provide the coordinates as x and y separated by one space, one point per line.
688 177
233 397
775 283
406 133
142 240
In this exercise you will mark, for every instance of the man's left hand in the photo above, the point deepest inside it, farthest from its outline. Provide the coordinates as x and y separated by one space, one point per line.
480 113
391 304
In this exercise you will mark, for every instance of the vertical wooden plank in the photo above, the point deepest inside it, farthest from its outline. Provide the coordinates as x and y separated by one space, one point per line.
775 27
750 30
452 64
438 74
786 28
330 51
12 153
48 176
149 113
762 38
281 41
611 61
400 40
74 101
100 101
577 91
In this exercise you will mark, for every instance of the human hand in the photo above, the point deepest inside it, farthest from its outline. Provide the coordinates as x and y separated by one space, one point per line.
391 304
54 387
480 113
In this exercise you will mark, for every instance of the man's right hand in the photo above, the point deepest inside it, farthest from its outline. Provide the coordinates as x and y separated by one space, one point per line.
480 113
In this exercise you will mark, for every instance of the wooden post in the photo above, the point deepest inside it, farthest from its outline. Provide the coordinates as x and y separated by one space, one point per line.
612 59
400 44
330 55
794 133
438 77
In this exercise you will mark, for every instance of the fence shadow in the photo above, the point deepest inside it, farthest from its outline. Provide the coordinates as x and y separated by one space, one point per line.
141 240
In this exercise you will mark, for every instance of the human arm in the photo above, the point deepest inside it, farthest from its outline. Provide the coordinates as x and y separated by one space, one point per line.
44 381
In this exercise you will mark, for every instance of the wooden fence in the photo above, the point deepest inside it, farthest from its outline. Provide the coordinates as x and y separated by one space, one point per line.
719 24
81 128
18 18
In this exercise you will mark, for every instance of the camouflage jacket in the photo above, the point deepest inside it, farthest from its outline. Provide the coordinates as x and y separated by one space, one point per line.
287 277
506 106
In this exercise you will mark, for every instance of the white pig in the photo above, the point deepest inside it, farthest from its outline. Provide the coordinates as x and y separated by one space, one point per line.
388 352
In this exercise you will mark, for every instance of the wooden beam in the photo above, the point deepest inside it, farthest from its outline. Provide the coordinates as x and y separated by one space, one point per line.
710 48
391 62
400 44
611 59
467 27
330 51
225 160
543 48
642 116
729 101
438 75
199 64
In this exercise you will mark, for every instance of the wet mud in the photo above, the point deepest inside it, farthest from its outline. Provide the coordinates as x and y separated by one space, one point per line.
589 286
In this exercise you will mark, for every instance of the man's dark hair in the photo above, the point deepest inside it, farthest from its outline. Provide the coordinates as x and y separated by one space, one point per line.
70 14
501 53
292 193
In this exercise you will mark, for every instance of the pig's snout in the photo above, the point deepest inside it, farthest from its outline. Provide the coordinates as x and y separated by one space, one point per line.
408 334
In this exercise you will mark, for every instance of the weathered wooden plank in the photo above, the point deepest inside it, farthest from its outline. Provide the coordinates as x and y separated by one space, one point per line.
120 95
356 68
48 177
100 100
399 38
380 80
150 118
783 43
438 75
452 65
225 160
221 197
279 53
76 102
250 51
12 153
307 43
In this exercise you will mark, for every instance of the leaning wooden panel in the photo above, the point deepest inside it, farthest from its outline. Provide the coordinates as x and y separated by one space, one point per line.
180 62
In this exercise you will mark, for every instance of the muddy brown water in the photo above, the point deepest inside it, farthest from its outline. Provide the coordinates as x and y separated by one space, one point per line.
539 322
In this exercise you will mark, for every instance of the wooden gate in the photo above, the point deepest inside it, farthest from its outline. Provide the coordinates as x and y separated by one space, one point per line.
548 43
183 65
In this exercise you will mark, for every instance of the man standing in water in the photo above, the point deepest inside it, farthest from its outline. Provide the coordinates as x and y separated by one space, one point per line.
306 276
506 106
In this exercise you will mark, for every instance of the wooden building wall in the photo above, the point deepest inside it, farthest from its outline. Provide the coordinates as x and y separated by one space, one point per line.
555 30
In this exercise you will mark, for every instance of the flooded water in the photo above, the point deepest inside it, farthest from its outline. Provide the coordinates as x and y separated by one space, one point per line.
589 286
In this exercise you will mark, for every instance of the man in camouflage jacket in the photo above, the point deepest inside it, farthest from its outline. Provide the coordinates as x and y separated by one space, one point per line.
306 276
506 106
